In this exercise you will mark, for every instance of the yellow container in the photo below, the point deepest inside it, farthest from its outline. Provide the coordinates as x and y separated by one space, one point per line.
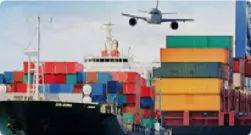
194 55
189 85
189 102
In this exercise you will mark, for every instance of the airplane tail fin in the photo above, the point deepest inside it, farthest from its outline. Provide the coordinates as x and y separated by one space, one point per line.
157 4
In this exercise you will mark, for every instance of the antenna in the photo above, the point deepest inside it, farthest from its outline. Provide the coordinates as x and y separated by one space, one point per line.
109 36
157 4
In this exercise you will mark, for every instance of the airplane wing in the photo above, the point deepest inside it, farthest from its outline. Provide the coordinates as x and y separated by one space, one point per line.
134 16
176 20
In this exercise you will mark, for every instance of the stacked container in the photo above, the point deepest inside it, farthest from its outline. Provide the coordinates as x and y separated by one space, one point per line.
248 75
238 73
193 72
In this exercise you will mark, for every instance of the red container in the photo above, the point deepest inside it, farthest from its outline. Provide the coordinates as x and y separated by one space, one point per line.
146 92
78 88
146 113
236 66
18 76
49 79
60 67
142 81
248 69
20 88
126 77
73 67
130 108
130 99
91 77
129 88
104 53
25 66
137 119
49 67
10 89
115 53
60 79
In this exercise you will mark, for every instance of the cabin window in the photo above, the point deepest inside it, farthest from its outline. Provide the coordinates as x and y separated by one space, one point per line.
106 60
102 60
125 60
117 60
112 60
120 60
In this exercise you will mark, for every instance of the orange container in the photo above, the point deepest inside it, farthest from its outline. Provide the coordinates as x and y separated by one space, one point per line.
130 88
91 77
125 77
130 108
18 76
189 85
194 55
189 102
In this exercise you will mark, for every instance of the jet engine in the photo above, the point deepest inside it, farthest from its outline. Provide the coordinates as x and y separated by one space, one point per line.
174 25
132 21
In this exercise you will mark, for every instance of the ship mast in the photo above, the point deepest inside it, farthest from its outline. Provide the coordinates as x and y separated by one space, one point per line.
108 43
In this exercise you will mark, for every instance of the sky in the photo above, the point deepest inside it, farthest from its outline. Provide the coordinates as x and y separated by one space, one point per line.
76 30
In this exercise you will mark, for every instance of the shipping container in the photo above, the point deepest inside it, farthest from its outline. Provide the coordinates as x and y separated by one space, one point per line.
189 102
146 102
116 98
8 77
237 79
128 118
49 79
91 77
146 92
18 76
194 55
60 78
125 77
25 78
147 122
20 88
25 67
71 79
146 113
199 42
60 67
137 119
190 70
143 82
114 87
131 99
248 69
49 67
66 88
98 89
81 77
73 67
44 88
189 85
78 88
129 108
99 98
1 78
104 77
54 88
248 83
130 88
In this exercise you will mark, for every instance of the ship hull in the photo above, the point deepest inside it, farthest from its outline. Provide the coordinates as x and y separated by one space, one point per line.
51 118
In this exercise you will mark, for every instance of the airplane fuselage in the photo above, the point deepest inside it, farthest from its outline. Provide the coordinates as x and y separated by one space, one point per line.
155 17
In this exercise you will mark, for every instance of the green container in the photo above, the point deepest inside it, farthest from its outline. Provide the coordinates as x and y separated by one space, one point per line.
190 70
71 79
128 118
199 42
147 122
25 79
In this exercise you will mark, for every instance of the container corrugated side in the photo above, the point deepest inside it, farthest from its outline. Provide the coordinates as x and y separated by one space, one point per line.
190 70
189 85
189 102
199 42
71 79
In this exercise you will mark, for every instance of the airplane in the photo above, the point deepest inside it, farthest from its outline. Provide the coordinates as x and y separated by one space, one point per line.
155 18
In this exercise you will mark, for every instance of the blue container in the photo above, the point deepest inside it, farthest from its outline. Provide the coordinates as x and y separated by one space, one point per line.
99 98
66 88
54 88
8 77
146 102
112 98
81 77
116 98
1 78
46 88
104 77
114 87
98 89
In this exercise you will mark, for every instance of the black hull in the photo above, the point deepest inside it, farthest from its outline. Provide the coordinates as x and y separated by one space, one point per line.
51 118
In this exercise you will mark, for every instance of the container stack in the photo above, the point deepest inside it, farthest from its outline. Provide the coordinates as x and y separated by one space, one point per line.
238 73
248 75
193 72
